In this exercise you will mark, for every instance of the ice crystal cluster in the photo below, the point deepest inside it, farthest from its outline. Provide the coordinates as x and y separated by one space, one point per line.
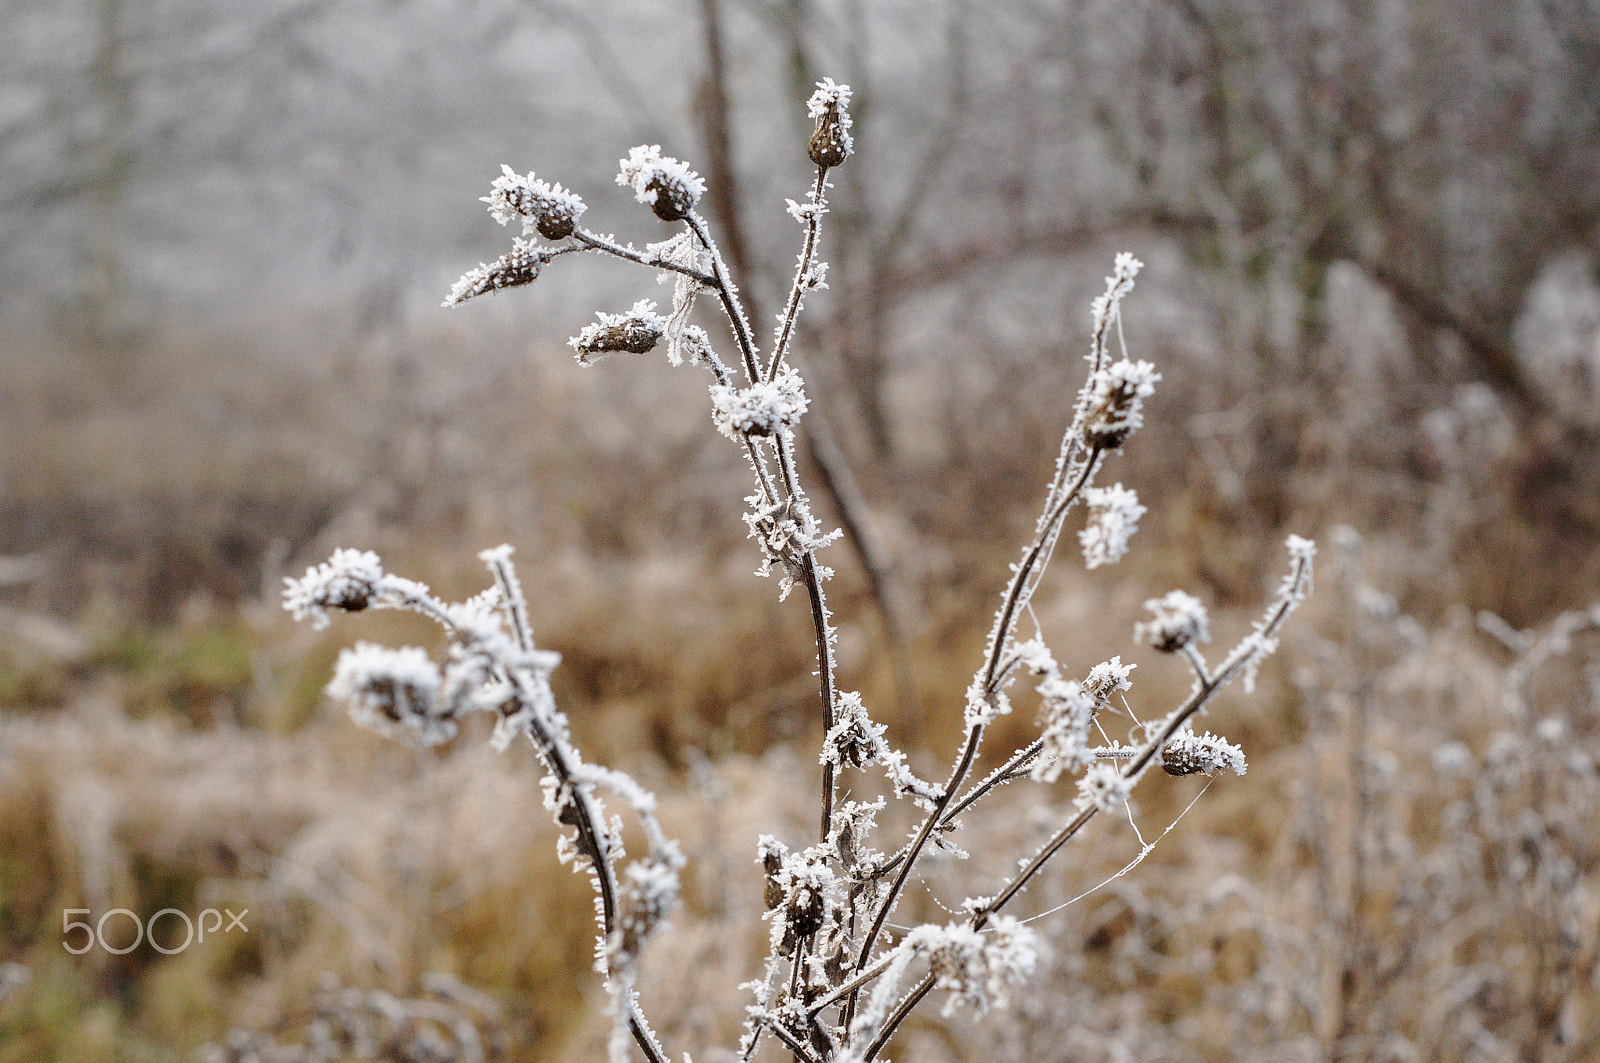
840 977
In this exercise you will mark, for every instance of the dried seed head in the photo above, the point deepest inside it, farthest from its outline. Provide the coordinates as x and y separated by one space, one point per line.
349 580
555 226
1178 619
1106 679
666 184
637 332
395 692
809 892
855 740
632 336
831 142
672 201
649 893
1190 754
1115 402
770 851
520 265
546 207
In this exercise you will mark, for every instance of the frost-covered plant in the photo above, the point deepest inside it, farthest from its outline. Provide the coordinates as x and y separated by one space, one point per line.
840 978
446 1025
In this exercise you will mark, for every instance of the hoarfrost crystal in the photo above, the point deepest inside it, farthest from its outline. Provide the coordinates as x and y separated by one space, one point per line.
1114 514
760 409
667 185
1179 619
547 209
394 692
1190 754
348 580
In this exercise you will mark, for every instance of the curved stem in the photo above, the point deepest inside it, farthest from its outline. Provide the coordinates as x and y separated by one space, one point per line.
1288 597
1016 597
1204 689
819 621
820 624
589 835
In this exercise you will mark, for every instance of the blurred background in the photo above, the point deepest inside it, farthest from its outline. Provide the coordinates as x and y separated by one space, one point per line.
1372 242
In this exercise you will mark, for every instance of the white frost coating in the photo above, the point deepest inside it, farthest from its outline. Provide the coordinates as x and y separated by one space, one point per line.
1114 514
512 196
831 96
520 265
637 330
762 409
1105 307
394 692
1179 619
685 342
1103 787
1187 753
978 968
857 741
1066 710
652 175
348 580
1296 586
1106 679
805 212
1116 400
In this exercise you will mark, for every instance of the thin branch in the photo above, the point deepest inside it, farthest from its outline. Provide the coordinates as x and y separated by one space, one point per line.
721 283
595 242
1289 596
802 274
969 752
1020 590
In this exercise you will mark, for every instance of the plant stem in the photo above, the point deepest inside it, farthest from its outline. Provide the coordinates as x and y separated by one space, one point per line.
797 290
722 284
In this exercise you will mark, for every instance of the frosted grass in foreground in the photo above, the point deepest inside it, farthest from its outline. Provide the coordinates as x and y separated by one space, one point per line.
838 982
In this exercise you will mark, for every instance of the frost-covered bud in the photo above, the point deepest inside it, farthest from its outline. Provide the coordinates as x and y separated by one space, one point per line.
637 332
772 853
830 143
810 893
1187 753
760 409
649 893
550 209
1068 711
520 265
1114 514
1106 679
348 580
394 692
854 740
1103 787
979 969
1116 400
1178 620
853 823
666 184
